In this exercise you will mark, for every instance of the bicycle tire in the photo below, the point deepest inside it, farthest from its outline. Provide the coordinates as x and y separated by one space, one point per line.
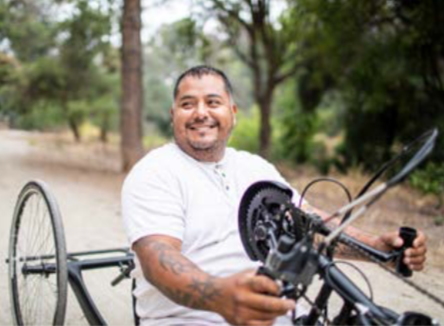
37 240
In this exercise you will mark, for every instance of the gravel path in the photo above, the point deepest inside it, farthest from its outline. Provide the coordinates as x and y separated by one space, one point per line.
89 202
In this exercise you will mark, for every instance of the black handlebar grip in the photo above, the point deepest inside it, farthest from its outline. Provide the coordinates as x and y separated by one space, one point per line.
262 270
408 235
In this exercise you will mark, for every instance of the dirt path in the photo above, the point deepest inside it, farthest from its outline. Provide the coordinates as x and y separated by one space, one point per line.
89 202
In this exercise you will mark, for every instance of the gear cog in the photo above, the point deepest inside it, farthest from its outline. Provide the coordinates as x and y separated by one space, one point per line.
265 214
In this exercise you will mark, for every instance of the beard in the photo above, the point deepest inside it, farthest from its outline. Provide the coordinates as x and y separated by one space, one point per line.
203 147
207 146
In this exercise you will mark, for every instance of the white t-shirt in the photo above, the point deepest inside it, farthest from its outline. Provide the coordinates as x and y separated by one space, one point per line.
170 193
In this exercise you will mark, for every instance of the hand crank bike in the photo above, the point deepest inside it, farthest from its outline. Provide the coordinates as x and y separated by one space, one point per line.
275 231
272 229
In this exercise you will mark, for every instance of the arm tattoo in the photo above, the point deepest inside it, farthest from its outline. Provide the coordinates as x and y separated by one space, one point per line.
168 259
205 291
198 293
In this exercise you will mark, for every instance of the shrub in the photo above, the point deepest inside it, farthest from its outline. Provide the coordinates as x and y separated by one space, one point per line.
245 135
430 180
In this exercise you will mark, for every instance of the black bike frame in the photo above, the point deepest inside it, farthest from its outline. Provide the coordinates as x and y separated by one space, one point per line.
348 291
75 277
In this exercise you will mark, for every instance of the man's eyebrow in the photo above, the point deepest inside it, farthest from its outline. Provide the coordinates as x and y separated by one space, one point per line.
186 97
214 95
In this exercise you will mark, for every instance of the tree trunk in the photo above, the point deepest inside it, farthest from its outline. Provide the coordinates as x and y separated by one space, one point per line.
104 128
73 125
265 126
132 91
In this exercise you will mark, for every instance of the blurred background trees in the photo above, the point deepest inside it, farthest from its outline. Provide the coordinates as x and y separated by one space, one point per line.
59 71
337 84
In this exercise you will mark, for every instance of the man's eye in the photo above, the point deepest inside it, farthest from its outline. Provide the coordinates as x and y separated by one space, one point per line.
186 105
213 103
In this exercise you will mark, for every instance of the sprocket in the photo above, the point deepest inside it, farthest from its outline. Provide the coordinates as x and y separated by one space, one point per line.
264 214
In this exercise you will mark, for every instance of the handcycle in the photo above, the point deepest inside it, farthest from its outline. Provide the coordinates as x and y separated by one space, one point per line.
285 239
273 230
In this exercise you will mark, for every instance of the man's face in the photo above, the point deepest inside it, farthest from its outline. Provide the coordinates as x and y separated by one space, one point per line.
203 117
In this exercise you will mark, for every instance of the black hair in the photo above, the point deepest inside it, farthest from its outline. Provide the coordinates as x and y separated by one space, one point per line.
203 70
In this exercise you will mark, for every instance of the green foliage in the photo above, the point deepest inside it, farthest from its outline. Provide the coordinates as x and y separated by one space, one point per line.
63 65
297 128
430 180
245 135
154 140
42 116
383 62
11 81
104 111
77 111
87 30
297 136
28 26
45 79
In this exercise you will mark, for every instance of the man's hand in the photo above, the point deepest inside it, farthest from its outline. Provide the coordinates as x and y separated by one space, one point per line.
414 257
242 299
250 299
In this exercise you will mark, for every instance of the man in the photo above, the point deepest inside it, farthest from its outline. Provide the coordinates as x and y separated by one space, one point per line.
180 206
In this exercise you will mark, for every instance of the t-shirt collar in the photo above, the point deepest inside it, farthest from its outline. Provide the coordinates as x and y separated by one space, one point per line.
221 164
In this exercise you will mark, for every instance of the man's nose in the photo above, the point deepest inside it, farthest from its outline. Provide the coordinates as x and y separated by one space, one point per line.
201 110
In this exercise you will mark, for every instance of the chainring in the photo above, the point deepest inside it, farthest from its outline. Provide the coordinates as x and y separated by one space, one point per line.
263 214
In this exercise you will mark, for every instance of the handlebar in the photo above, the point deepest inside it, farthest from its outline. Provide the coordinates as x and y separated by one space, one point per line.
408 235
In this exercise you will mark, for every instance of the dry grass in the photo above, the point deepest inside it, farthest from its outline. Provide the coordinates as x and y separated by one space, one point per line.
62 150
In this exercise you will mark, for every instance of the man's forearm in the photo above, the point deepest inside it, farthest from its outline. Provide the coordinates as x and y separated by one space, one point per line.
344 251
347 252
176 276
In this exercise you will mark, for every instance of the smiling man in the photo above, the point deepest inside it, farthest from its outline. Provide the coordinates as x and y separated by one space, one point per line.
180 205
203 115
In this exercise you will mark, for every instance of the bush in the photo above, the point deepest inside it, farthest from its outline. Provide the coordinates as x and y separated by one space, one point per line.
245 135
430 180
42 116
298 130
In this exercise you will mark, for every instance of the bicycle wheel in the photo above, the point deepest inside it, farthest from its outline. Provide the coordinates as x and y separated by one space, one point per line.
38 274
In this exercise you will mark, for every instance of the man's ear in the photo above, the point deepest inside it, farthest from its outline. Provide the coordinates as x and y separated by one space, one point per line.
234 110
171 114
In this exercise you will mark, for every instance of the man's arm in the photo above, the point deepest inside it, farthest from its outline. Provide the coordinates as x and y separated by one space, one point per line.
414 257
244 298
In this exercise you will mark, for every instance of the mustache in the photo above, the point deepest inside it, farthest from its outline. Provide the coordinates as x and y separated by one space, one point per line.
199 123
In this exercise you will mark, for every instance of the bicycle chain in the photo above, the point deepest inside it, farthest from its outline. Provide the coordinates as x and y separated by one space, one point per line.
410 283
